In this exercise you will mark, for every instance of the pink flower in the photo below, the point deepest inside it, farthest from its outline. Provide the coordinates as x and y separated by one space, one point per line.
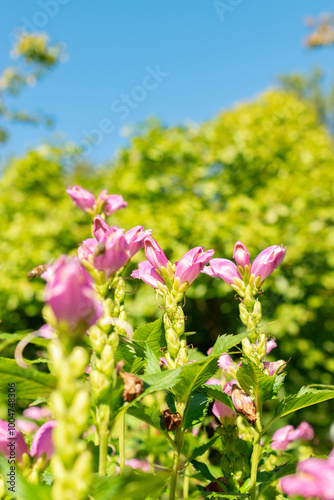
82 199
225 362
26 426
134 463
241 255
46 332
192 264
222 411
37 412
71 296
42 442
148 274
154 254
135 238
110 202
274 366
17 445
222 268
271 344
286 435
100 228
267 261
314 478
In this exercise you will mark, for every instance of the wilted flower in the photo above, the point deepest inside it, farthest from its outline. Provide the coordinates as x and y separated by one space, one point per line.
274 366
314 478
288 434
243 404
71 296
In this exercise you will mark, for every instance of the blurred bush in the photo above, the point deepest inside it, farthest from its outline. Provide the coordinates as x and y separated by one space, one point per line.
262 173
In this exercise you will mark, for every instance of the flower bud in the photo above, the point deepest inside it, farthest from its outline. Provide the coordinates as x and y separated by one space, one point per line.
267 261
154 254
82 198
241 255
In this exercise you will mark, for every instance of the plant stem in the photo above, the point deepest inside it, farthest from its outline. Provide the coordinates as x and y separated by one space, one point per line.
256 452
186 483
103 449
122 445
176 462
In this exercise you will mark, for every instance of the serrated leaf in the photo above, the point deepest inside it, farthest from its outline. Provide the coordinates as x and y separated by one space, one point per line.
164 380
225 342
203 470
153 334
149 415
195 410
307 396
200 450
30 383
194 375
254 382
151 360
132 354
216 392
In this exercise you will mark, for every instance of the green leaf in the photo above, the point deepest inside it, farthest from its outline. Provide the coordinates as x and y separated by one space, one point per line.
161 381
266 478
216 392
200 450
132 354
203 470
13 338
225 342
153 334
152 362
30 383
194 375
256 383
307 396
195 411
149 415
130 485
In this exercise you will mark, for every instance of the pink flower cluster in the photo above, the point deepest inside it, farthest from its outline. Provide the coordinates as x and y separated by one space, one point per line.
41 443
263 265
186 270
314 478
105 203
286 435
117 247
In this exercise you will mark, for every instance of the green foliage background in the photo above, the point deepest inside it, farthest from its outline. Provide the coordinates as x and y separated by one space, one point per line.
262 172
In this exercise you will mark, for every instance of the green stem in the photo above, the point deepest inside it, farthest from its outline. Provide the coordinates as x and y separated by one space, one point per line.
103 449
256 452
186 483
122 445
176 463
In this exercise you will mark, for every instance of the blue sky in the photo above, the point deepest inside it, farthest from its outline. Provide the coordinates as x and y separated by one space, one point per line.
178 60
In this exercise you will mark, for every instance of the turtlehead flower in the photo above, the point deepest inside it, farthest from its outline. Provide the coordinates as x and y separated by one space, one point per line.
225 362
314 478
191 264
148 274
110 203
20 446
37 412
267 261
154 254
82 198
71 296
42 443
105 203
224 269
271 344
274 366
135 238
286 435
241 255
222 411
264 264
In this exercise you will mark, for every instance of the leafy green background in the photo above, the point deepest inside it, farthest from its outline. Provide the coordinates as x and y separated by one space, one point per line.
262 172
